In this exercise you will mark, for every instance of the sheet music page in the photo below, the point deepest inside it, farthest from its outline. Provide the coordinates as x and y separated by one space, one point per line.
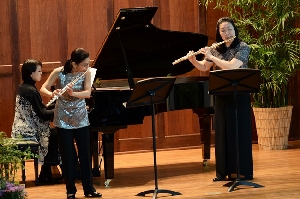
153 78
113 88
93 74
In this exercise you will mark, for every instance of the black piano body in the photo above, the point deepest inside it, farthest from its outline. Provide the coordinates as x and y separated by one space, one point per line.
135 49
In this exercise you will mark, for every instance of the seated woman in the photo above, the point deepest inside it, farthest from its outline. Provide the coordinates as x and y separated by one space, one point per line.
32 119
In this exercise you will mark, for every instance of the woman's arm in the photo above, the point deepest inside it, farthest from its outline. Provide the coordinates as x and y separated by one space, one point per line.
86 93
232 64
46 87
203 65
240 57
39 107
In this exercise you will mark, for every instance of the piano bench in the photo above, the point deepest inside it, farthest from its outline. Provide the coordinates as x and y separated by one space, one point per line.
34 148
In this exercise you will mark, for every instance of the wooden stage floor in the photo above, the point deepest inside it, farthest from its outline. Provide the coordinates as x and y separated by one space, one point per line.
182 171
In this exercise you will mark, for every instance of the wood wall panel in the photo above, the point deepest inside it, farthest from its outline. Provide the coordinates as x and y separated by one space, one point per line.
80 24
102 21
181 15
138 130
179 129
5 38
62 32
23 29
118 4
6 104
50 30
43 31
212 16
6 70
8 57
182 122
87 23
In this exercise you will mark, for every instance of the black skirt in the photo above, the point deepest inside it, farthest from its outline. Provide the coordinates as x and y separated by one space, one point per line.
225 135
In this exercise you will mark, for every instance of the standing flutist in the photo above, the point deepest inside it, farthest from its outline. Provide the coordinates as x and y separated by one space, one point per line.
71 119
229 55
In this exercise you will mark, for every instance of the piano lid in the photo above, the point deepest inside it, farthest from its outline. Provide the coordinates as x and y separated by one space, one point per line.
148 50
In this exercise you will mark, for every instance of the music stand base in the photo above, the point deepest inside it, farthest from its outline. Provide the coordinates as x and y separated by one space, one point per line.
238 182
156 191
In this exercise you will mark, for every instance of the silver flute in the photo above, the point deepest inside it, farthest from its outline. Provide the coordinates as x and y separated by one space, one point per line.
198 52
66 87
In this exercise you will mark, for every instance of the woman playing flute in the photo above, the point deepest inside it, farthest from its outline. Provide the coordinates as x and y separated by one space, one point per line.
71 119
229 55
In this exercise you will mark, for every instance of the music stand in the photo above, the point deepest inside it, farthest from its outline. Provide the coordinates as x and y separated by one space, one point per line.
149 92
234 81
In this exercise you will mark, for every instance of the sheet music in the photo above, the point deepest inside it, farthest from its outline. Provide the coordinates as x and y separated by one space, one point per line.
113 88
93 74
153 78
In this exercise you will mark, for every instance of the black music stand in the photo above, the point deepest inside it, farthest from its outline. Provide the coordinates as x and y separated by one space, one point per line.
149 92
234 81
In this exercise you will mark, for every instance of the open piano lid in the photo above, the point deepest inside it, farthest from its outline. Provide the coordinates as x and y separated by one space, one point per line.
148 50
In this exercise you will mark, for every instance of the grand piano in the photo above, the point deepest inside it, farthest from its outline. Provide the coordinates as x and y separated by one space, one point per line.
135 49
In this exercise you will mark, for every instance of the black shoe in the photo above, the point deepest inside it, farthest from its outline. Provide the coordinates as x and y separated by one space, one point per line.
49 182
93 195
42 180
71 196
218 179
250 177
45 174
247 178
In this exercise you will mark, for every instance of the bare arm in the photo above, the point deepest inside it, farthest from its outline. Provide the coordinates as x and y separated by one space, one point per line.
86 93
46 87
200 65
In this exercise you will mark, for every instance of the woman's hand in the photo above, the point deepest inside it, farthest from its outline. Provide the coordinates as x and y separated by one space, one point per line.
200 65
206 52
70 89
55 92
191 57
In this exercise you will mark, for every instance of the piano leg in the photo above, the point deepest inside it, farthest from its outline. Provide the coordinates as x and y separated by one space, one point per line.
95 153
108 155
205 119
206 137
108 150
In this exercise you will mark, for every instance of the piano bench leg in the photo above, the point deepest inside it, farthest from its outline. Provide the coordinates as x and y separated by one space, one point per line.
23 172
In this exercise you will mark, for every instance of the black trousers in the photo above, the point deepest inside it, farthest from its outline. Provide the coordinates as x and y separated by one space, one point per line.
225 132
52 157
69 156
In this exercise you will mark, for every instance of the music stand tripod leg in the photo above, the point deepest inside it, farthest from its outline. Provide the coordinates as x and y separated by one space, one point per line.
238 182
242 80
150 92
156 190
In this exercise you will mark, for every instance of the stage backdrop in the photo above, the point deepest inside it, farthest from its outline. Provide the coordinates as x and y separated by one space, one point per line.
50 30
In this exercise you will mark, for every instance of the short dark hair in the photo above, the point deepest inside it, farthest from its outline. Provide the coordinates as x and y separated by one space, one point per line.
236 41
77 56
29 66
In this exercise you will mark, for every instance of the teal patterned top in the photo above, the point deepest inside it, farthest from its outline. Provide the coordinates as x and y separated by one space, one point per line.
70 112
